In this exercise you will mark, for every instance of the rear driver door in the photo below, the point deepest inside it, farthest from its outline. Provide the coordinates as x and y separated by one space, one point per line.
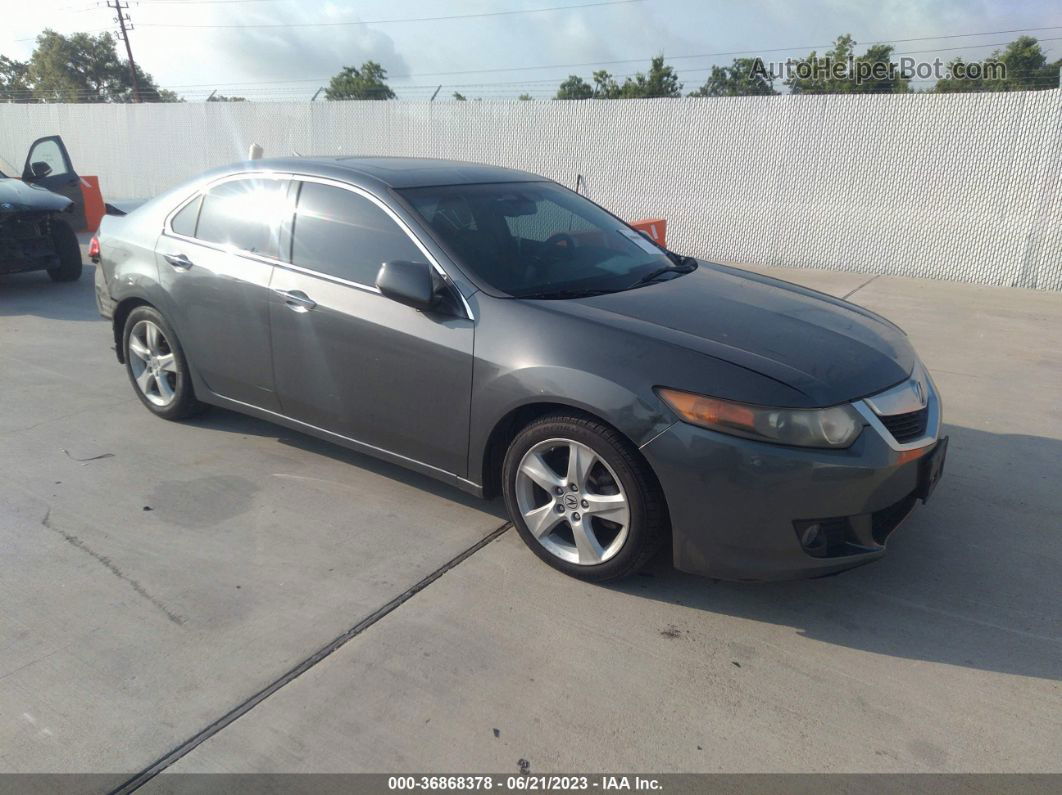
216 259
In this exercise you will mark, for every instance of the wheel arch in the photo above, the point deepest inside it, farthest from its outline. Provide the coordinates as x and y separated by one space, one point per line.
518 418
121 313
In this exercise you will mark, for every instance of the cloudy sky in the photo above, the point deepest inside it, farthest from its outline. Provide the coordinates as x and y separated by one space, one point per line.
277 49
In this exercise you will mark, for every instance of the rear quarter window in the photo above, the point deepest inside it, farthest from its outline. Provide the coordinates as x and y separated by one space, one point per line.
183 223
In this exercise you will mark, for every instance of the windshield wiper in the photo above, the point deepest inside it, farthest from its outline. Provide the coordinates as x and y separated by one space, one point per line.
654 275
682 259
565 293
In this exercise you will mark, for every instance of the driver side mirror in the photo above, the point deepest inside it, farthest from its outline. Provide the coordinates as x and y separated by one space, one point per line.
409 283
40 169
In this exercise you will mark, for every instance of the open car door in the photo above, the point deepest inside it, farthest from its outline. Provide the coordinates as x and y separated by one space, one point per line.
48 165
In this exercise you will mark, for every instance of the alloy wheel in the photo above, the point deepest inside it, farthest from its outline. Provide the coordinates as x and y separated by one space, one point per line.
153 363
572 502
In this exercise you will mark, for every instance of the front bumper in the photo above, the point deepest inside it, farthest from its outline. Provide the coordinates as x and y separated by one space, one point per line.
737 506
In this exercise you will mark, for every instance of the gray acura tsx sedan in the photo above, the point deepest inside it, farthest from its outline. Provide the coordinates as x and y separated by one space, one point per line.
492 329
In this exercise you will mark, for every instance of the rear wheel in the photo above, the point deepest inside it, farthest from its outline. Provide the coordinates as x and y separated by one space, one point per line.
582 498
69 250
157 367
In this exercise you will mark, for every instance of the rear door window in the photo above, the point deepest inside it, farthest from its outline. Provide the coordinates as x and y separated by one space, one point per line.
341 233
247 215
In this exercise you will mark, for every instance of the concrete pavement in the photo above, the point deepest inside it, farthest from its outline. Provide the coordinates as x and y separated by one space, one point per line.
126 632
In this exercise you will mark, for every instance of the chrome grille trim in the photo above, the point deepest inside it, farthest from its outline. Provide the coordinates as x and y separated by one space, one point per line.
905 399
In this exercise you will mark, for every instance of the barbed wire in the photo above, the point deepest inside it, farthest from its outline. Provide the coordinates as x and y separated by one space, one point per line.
537 92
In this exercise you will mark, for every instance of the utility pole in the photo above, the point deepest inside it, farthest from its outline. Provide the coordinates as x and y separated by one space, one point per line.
120 7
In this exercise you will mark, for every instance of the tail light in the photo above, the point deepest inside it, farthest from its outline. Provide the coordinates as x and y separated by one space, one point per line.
94 249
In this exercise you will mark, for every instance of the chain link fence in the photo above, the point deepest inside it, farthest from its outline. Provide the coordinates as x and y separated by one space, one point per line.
950 186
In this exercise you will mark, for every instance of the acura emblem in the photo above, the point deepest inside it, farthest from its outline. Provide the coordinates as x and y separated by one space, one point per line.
920 392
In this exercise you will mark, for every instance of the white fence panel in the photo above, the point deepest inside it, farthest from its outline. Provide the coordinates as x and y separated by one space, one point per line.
959 186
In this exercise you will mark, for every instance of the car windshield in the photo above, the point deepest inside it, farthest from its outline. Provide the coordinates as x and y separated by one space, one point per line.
537 239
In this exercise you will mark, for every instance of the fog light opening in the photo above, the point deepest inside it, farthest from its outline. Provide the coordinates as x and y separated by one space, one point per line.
814 538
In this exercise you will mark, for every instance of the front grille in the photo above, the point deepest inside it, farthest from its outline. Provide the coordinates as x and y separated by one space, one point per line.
907 427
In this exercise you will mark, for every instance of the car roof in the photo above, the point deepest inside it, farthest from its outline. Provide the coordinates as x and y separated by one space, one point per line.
399 172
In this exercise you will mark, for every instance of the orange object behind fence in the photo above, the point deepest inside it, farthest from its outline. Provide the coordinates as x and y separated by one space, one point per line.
93 200
656 228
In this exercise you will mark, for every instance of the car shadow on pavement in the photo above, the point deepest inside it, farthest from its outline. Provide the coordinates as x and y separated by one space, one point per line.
218 419
36 294
970 579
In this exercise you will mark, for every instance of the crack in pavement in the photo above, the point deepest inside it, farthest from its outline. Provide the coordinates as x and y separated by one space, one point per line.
850 293
241 709
109 564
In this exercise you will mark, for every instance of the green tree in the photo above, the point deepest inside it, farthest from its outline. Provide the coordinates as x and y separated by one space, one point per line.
86 68
459 97
1024 68
574 88
14 86
525 98
223 98
743 78
605 86
660 81
366 82
840 71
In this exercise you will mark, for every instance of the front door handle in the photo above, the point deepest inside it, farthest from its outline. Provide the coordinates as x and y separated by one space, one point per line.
297 300
179 261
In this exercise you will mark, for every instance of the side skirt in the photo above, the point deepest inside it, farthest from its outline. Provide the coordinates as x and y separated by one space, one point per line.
343 441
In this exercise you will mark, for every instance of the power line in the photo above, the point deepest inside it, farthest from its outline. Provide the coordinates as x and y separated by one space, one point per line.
1045 81
607 63
395 21
613 62
679 58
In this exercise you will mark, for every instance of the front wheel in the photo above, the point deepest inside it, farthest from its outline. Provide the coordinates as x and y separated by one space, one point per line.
582 498
69 252
157 367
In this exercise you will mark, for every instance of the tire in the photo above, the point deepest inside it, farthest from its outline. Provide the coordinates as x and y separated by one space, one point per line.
586 532
157 367
69 250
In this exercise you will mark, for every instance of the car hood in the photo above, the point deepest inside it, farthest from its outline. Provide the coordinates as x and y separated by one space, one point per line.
18 197
829 350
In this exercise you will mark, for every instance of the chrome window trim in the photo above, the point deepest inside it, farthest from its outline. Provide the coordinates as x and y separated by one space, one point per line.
897 400
167 230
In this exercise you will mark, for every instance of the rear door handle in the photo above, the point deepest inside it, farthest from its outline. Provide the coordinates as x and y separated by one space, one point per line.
179 261
297 300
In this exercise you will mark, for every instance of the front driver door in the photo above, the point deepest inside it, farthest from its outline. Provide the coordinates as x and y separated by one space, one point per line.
347 359
48 165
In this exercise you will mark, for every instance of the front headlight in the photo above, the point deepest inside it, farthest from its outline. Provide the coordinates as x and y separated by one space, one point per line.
837 426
